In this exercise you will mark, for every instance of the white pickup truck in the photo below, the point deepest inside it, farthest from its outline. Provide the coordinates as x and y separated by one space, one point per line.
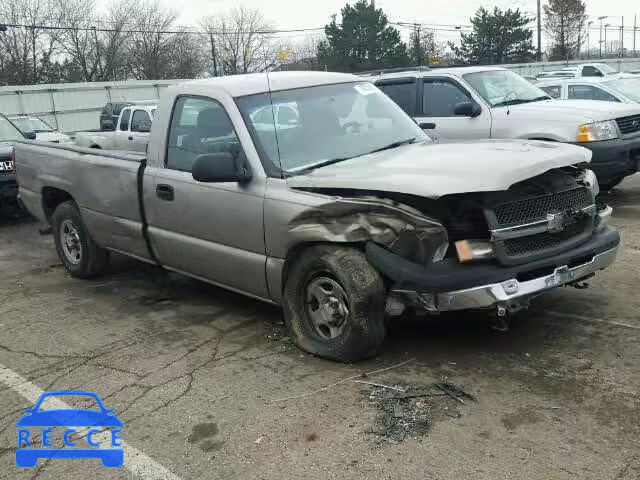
343 209
131 133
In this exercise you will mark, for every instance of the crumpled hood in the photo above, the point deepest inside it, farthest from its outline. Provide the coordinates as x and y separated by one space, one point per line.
589 110
435 170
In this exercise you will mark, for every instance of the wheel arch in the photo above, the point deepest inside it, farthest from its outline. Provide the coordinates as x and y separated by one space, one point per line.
51 198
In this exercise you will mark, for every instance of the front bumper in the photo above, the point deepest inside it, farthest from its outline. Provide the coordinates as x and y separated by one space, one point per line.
613 160
449 285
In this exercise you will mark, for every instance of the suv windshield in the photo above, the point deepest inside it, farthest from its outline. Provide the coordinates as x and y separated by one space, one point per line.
629 87
503 87
8 132
310 127
31 125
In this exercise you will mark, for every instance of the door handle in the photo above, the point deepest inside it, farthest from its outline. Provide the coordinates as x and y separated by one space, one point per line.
130 137
427 125
164 192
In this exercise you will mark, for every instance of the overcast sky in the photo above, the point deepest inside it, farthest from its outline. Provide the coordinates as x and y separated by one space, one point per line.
291 14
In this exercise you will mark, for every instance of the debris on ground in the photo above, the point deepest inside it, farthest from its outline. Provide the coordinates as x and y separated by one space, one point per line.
410 411
453 391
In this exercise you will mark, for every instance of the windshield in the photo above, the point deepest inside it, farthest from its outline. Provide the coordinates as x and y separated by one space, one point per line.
629 87
503 87
307 127
32 125
606 69
8 132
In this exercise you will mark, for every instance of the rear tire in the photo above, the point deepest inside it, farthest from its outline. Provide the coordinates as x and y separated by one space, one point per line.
77 250
334 303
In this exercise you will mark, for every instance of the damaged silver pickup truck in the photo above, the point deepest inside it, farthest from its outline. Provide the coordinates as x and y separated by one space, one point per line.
339 207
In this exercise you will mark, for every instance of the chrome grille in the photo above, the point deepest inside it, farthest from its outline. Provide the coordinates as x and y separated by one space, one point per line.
542 241
629 124
537 208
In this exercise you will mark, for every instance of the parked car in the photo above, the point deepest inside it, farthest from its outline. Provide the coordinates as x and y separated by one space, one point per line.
493 102
354 211
110 113
555 74
9 136
131 133
610 89
44 132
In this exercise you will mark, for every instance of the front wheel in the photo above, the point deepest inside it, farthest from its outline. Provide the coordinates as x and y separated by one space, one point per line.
334 304
77 251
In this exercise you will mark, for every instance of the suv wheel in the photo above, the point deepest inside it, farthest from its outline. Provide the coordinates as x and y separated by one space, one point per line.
334 304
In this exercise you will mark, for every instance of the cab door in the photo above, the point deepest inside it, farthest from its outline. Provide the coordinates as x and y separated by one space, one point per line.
120 136
213 231
139 130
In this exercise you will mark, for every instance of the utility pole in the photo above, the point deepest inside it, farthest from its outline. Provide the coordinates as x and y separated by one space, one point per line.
622 38
634 34
589 39
539 33
600 42
607 25
213 54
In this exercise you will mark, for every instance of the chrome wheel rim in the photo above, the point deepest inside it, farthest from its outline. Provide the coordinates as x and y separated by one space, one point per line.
70 241
327 307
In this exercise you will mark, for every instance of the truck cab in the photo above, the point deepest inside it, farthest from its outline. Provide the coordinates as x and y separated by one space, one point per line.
131 131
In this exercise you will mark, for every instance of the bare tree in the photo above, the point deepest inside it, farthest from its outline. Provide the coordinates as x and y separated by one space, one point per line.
77 41
150 43
241 41
423 46
186 56
28 49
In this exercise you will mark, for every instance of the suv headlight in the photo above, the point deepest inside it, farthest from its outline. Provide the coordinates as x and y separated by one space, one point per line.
595 132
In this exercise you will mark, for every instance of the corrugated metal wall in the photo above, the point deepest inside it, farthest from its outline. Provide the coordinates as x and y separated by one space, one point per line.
527 69
75 106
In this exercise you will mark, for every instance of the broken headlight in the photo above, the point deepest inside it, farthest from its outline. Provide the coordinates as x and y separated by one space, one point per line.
588 178
422 246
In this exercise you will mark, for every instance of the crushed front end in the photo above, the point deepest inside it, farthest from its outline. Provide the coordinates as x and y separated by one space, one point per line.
505 248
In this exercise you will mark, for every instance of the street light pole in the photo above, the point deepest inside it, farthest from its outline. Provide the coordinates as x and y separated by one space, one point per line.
589 39
601 18
539 33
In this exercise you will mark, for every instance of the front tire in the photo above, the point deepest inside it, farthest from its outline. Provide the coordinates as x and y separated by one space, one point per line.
334 304
77 250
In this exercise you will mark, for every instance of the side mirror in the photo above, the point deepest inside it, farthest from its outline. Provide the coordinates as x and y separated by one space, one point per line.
217 168
466 109
30 135
108 125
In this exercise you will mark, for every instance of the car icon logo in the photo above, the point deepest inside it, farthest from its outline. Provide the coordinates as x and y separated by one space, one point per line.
79 425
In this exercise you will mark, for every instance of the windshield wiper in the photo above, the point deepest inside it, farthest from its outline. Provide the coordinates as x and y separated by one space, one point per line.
518 101
392 145
331 161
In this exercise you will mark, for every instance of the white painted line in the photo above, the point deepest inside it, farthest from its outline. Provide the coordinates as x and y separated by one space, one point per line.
591 319
138 464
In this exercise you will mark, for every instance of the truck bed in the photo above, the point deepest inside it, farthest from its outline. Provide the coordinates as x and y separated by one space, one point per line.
104 185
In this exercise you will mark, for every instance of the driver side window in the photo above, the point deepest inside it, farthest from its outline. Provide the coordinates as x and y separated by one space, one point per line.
199 126
440 97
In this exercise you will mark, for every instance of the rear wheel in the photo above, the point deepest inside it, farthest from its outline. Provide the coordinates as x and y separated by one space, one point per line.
334 304
77 251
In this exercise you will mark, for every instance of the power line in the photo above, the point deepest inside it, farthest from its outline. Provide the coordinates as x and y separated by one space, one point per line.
162 32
